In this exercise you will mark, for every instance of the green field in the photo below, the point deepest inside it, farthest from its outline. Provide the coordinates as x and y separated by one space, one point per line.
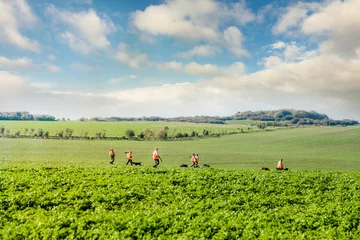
321 148
117 129
145 203
66 189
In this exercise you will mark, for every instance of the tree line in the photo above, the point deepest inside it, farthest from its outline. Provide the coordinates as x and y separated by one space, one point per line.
25 116
129 134
294 117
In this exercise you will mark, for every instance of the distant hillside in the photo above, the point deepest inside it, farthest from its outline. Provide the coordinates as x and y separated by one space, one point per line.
294 117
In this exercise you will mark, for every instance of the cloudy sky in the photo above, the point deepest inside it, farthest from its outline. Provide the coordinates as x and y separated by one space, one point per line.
86 58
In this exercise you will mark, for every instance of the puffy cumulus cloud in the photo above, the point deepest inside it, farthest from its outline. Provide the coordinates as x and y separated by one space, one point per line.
14 16
336 21
293 16
133 59
200 50
85 67
19 63
87 31
26 64
196 20
234 39
340 22
287 52
271 61
209 70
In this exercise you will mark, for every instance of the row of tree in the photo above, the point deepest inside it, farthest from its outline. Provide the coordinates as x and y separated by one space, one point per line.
147 134
298 117
25 116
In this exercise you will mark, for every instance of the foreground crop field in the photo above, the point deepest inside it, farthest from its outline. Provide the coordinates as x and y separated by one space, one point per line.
323 148
145 203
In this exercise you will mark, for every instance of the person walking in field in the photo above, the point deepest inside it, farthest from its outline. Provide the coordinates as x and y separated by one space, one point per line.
112 156
129 158
280 165
197 160
193 160
156 157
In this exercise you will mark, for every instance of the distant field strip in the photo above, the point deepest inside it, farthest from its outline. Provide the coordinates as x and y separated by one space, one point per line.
322 148
117 129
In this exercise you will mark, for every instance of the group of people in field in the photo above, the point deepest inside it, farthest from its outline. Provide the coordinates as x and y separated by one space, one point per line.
155 155
194 159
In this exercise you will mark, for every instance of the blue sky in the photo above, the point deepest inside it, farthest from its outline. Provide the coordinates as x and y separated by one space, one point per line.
88 58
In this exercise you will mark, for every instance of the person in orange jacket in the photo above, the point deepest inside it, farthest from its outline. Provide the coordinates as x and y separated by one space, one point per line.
193 160
280 165
129 158
156 157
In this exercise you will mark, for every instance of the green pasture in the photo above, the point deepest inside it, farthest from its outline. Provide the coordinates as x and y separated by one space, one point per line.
315 148
117 129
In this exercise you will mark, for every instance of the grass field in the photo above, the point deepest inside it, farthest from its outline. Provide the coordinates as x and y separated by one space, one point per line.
66 189
322 148
117 129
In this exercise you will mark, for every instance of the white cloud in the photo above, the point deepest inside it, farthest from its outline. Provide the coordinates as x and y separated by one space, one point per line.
193 20
19 63
83 2
199 69
85 68
279 45
53 68
122 79
200 50
340 22
289 52
271 61
26 64
87 31
210 70
337 22
234 39
14 16
170 65
51 57
133 59
293 16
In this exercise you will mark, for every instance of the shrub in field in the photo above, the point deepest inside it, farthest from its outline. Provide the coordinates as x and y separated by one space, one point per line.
129 133
141 135
40 132
149 134
46 134
161 134
17 134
